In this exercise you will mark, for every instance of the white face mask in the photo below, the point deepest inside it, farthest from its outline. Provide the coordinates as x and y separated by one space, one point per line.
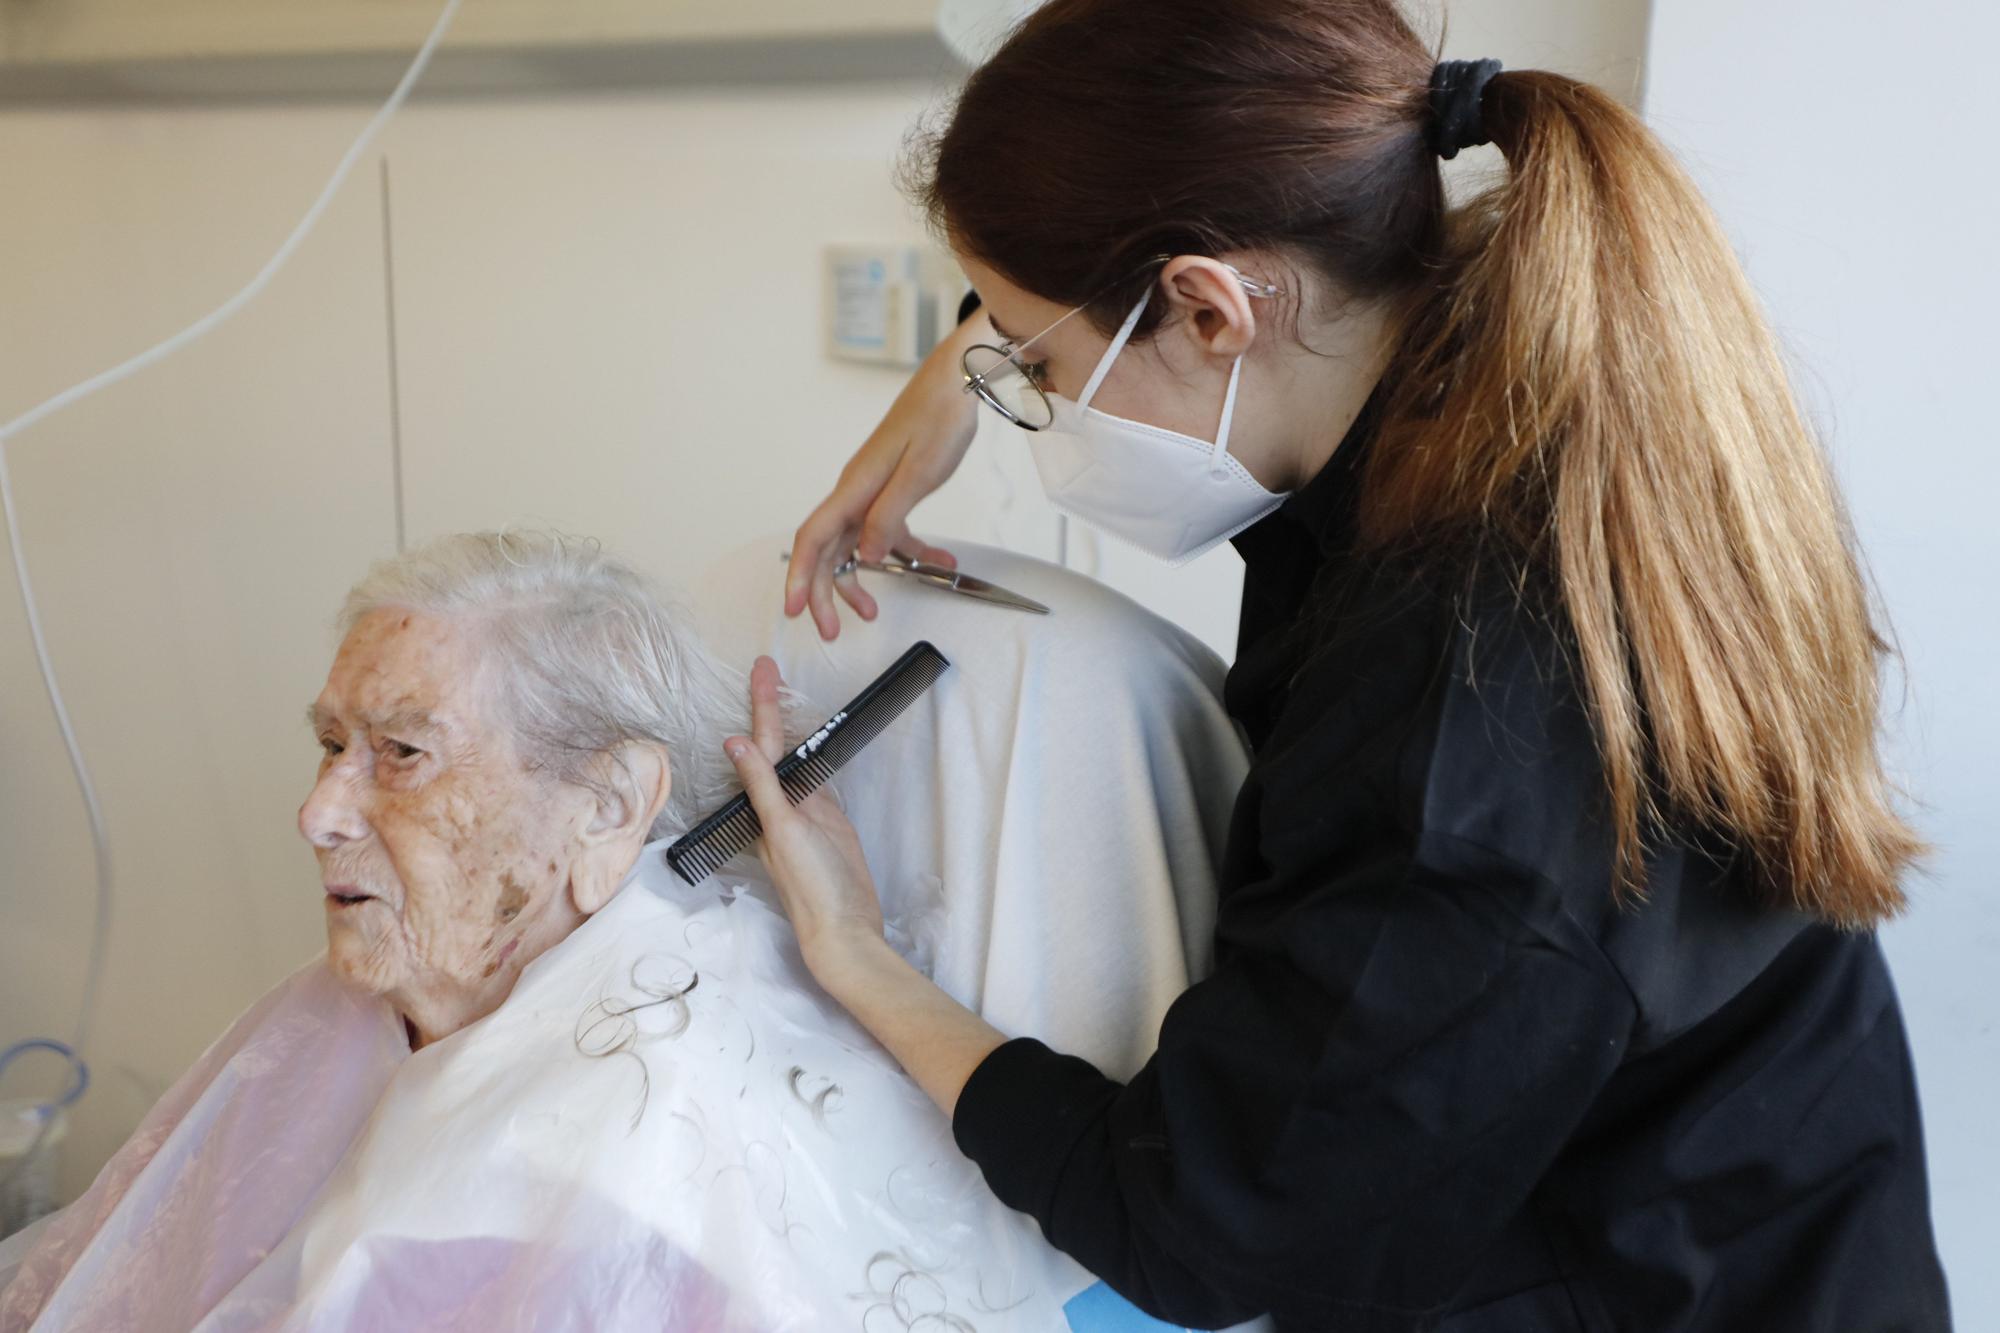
1170 495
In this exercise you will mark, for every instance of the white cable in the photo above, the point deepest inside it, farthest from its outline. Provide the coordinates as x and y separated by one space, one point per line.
99 839
208 323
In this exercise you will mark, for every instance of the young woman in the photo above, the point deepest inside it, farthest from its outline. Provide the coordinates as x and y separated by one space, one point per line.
1545 993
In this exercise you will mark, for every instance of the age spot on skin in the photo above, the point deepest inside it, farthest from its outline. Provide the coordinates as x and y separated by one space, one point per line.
494 966
512 899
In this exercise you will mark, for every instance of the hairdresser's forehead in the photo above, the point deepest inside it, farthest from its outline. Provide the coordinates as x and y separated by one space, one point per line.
405 671
1015 313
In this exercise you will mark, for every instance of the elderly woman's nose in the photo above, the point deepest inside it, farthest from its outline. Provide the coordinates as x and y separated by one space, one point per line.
330 815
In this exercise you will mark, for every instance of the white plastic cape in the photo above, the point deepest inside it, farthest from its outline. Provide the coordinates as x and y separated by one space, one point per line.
666 1126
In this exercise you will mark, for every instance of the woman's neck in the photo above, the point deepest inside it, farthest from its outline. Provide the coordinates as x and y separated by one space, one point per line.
1342 366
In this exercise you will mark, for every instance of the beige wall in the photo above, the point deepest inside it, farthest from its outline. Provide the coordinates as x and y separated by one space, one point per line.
606 319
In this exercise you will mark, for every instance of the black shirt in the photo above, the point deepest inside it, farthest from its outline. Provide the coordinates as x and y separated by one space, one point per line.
1440 1078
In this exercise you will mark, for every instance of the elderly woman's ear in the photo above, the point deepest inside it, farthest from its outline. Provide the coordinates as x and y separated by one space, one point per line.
631 790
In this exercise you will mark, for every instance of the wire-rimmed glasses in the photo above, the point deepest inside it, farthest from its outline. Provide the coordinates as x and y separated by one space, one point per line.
1010 386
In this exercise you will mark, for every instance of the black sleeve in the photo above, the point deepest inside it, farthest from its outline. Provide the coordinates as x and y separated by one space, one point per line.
1331 1128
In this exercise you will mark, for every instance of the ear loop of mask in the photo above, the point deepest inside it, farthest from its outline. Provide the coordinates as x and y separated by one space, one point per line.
1219 450
1111 352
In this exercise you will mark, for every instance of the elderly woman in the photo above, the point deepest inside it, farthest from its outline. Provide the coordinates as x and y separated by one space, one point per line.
536 1081
495 736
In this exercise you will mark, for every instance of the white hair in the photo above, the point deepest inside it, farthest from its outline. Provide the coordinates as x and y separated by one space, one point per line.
591 654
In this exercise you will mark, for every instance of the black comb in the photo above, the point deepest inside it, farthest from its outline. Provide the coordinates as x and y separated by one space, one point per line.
695 855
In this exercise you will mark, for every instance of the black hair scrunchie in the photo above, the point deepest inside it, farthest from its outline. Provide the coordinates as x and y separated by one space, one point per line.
1456 87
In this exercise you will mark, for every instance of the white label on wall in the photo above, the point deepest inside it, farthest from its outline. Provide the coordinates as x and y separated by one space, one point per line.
882 302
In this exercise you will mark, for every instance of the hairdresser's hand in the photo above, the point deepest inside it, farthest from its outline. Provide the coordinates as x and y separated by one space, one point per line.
815 860
810 850
918 445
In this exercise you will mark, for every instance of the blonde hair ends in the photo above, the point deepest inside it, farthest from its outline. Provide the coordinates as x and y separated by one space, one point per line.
1595 389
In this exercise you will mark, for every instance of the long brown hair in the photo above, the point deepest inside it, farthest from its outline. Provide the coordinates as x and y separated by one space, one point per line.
1583 377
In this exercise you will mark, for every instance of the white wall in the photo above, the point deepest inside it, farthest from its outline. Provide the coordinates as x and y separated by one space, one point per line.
1839 142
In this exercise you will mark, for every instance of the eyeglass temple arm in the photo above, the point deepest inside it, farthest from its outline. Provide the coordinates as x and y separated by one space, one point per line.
1010 349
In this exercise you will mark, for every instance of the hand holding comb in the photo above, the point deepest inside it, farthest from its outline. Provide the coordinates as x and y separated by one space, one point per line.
695 855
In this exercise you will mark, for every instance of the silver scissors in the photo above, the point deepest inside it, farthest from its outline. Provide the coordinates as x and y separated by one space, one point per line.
937 576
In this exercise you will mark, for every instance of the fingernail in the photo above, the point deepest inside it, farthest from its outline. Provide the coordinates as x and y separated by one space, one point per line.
733 747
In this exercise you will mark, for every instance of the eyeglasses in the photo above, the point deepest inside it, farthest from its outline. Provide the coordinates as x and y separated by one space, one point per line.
1015 389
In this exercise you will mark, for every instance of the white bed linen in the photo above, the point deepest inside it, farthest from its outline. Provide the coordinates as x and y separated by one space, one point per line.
1046 825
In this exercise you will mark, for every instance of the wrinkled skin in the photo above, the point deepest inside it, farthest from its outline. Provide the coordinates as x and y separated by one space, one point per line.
449 864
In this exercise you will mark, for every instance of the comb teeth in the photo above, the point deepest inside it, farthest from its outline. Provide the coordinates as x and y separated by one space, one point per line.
695 856
696 863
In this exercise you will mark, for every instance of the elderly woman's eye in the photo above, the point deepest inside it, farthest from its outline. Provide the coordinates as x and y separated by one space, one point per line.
402 751
330 745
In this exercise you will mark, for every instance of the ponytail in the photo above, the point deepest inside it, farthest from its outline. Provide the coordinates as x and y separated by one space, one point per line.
1596 390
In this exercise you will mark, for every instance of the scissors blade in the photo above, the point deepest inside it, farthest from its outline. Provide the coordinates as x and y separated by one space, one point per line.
951 580
945 580
993 592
